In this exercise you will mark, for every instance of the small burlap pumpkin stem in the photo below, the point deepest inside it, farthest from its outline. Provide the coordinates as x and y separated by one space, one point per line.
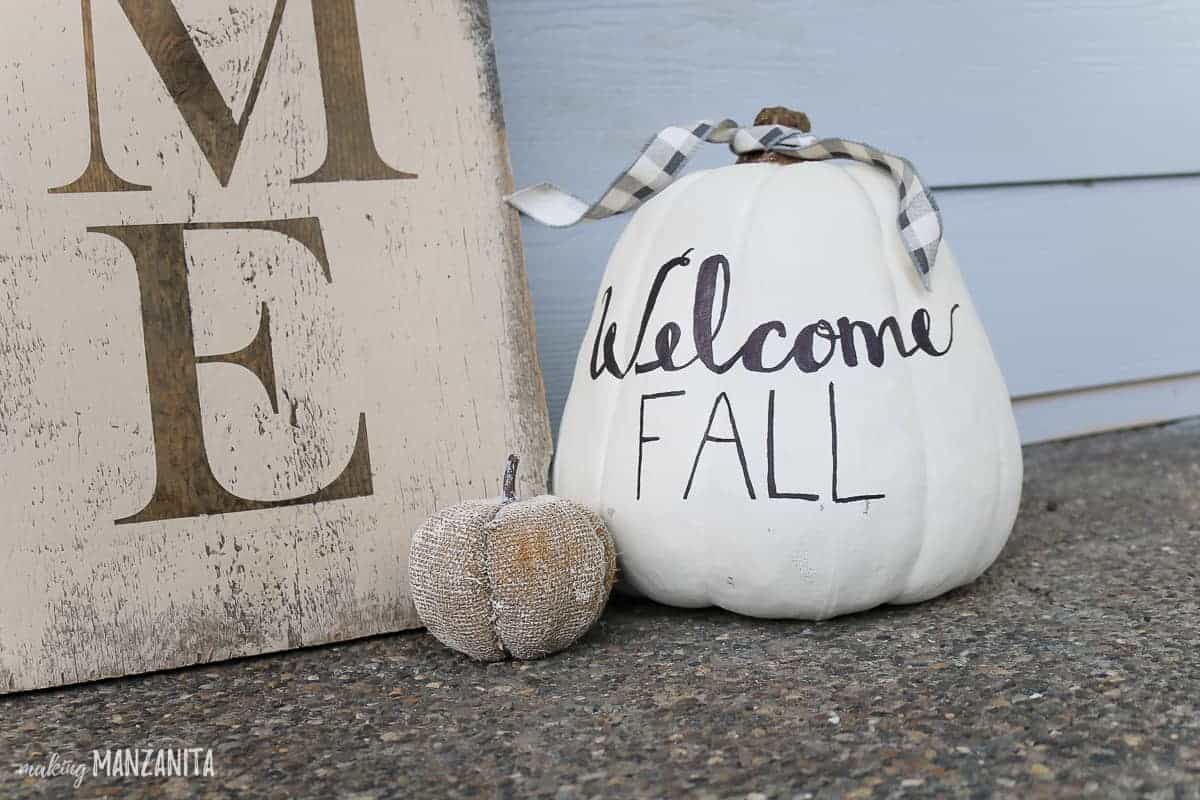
777 115
508 487
781 115
508 494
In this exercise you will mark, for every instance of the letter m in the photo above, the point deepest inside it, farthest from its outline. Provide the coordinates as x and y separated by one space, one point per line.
101 764
351 152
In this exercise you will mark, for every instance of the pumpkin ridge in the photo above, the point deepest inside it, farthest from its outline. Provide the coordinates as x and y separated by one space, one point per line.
1019 472
981 543
747 235
981 560
667 200
922 534
494 612
831 594
712 581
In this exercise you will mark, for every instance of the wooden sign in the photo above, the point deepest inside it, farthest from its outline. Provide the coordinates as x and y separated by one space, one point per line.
262 309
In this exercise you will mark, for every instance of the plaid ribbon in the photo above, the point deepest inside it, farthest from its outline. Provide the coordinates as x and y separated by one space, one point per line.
663 159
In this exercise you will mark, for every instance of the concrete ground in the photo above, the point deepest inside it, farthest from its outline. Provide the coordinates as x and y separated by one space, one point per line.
1069 669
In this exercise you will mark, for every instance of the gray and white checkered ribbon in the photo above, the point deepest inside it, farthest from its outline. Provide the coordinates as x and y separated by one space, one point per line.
663 159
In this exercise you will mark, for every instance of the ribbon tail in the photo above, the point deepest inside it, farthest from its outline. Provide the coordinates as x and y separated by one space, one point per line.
656 168
919 264
549 205
922 256
919 220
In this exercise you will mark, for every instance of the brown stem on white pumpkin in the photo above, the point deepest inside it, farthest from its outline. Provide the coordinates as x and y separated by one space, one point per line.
777 115
509 486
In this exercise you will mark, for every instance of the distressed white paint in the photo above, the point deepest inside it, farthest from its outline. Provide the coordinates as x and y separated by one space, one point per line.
1078 285
425 329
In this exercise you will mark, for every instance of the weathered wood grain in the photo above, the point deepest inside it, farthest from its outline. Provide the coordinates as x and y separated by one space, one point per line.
353 301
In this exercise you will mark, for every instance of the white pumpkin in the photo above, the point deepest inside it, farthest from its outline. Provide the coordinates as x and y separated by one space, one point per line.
788 474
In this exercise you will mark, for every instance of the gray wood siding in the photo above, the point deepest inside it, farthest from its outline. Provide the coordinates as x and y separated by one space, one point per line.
1088 287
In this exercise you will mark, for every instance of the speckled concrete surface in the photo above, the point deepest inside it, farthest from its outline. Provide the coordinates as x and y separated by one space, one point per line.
1069 669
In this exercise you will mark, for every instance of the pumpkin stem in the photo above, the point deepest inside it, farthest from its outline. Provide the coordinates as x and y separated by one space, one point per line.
781 115
777 115
509 486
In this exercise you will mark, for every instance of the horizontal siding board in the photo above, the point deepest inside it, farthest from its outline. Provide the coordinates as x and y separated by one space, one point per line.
973 93
1107 408
1078 285
1083 285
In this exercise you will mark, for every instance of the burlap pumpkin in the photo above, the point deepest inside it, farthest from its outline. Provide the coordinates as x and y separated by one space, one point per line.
506 577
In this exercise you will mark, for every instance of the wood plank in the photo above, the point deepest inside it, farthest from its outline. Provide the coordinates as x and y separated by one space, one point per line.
1080 413
973 93
1078 286
1082 285
241 362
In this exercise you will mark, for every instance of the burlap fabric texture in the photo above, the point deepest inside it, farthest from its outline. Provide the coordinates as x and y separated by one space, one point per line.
521 578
